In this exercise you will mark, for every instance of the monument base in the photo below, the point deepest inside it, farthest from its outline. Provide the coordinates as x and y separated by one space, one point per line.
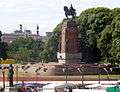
69 58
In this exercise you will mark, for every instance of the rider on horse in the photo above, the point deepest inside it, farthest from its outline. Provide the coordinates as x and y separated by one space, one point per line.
70 11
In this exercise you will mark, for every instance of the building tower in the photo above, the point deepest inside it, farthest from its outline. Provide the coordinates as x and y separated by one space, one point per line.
20 27
69 50
37 30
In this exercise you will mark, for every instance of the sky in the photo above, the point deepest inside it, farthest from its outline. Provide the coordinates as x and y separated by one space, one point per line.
46 13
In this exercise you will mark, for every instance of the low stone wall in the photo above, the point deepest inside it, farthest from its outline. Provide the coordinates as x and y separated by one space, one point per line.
52 69
86 69
73 70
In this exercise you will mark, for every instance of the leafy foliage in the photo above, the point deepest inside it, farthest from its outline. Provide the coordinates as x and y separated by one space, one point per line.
25 49
115 49
51 45
3 48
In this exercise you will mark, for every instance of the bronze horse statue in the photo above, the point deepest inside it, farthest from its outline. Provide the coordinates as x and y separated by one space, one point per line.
70 11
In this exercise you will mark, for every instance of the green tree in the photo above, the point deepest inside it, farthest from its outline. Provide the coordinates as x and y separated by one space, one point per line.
22 54
115 12
94 19
37 48
3 48
26 49
51 45
20 49
90 23
115 50
104 42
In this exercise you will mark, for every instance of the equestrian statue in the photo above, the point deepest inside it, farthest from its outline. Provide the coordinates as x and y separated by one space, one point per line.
70 11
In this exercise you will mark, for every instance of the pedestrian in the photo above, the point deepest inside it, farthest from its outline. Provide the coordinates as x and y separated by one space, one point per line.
10 75
29 90
1 89
22 89
34 90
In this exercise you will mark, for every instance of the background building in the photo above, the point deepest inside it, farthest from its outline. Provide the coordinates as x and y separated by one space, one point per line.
9 37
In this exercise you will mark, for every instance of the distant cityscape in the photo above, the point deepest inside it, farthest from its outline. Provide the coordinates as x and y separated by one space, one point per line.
9 37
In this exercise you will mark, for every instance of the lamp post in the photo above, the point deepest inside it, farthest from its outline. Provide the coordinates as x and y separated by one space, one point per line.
108 77
66 74
36 72
99 73
3 72
17 73
65 71
82 74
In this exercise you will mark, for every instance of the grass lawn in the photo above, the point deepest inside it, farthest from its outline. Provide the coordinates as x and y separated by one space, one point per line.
72 78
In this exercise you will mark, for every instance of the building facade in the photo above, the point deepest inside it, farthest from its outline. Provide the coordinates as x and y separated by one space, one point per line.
9 37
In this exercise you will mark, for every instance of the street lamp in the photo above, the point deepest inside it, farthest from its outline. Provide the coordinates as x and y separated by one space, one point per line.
99 73
17 73
108 77
36 71
80 70
65 71
3 72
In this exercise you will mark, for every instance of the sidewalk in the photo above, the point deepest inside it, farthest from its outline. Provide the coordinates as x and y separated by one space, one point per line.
74 82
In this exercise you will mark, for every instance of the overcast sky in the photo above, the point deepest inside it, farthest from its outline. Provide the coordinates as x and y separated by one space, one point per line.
46 13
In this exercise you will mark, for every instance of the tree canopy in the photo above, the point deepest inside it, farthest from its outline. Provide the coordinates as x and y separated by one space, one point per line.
25 49
3 48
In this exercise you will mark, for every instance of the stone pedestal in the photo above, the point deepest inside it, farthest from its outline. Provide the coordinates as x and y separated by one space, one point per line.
69 51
